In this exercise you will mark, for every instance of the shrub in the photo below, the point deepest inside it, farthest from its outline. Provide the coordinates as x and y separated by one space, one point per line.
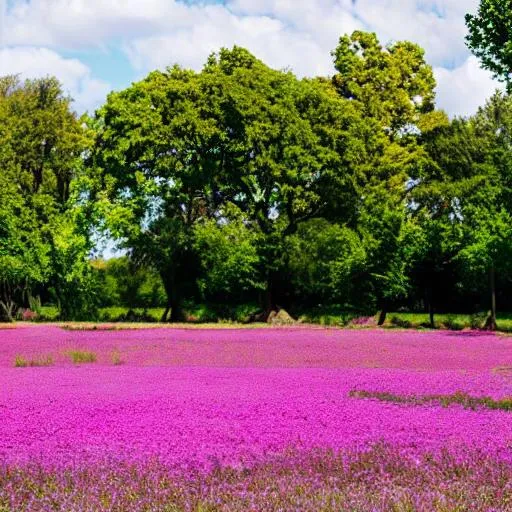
396 321
477 320
364 321
453 324
28 315
79 356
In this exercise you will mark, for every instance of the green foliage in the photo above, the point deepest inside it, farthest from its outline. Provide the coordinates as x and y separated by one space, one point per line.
123 282
241 184
458 398
394 85
396 321
42 236
229 256
325 261
490 37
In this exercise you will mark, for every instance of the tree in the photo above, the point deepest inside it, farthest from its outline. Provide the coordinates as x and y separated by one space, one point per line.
160 151
43 143
326 262
178 146
463 200
393 88
489 213
490 38
296 146
437 196
392 84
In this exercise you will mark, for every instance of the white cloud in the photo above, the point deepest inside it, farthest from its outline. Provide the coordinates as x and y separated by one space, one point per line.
299 34
462 90
31 62
79 23
269 38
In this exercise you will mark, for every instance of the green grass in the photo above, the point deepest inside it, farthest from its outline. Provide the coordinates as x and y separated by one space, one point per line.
49 313
204 316
80 356
459 398
21 362
448 321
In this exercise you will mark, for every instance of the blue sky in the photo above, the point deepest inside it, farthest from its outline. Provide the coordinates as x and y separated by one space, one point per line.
95 46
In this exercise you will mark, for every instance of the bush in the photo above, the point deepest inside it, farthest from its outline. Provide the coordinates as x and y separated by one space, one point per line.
363 321
396 321
453 323
477 320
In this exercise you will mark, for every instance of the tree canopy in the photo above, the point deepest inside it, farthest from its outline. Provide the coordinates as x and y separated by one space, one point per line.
243 185
490 37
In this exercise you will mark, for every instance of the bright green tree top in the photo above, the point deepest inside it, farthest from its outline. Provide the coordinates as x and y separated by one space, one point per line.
490 37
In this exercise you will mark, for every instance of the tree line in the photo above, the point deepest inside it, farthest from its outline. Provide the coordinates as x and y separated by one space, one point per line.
244 184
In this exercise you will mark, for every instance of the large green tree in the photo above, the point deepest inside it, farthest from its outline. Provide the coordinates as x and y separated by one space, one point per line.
393 88
43 143
161 153
179 146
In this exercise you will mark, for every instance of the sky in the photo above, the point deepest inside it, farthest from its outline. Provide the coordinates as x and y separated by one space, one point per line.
95 46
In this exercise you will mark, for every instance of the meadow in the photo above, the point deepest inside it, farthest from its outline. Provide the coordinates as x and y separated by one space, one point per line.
293 418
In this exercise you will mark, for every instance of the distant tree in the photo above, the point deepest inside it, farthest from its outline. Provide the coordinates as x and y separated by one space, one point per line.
490 38
229 257
489 212
438 195
463 200
124 283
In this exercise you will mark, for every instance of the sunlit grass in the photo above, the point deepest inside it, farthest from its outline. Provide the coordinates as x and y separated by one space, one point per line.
115 357
22 362
80 356
459 398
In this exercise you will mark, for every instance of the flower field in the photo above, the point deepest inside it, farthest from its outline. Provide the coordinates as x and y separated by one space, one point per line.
270 419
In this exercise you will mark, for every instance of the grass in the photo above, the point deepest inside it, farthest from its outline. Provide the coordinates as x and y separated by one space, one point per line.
455 322
123 326
333 316
380 478
115 357
82 356
21 362
459 398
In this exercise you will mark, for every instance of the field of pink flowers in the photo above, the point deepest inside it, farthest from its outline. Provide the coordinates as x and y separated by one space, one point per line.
270 419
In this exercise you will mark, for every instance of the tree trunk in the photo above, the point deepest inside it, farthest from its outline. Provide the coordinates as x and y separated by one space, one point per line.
8 308
166 312
177 312
383 313
268 300
491 324
431 307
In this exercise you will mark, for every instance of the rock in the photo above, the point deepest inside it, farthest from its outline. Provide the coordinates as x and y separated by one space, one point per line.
280 317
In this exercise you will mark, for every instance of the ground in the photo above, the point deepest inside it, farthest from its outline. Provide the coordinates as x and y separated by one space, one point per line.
260 419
